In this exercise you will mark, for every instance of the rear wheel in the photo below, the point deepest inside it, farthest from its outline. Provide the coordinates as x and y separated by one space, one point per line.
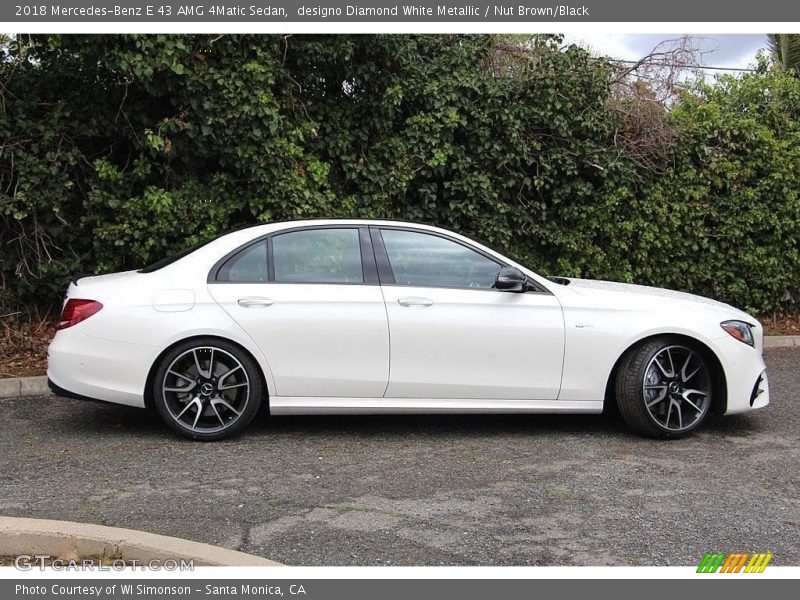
664 388
207 389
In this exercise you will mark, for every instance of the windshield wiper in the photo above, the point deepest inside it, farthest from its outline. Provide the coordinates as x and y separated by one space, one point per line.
558 280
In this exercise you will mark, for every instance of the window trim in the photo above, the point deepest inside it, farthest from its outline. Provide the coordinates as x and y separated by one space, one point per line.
386 274
369 269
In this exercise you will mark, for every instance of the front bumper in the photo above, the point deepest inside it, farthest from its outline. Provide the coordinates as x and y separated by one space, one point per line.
745 376
759 396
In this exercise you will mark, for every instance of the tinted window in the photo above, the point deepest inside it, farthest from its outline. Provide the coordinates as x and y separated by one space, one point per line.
429 260
246 266
318 256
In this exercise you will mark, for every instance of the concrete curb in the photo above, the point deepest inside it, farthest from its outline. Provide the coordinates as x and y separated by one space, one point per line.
20 387
781 341
65 538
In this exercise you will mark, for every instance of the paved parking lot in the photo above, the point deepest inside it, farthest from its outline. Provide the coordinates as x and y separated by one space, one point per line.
421 490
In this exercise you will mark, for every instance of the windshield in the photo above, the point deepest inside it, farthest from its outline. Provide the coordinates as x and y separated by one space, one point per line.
503 252
516 259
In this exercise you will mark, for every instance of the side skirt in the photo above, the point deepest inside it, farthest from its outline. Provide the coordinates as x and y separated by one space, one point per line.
285 405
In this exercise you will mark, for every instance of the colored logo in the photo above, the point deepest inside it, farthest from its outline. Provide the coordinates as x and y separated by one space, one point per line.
737 562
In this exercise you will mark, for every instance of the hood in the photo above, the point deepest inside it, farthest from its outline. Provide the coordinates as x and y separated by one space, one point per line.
629 293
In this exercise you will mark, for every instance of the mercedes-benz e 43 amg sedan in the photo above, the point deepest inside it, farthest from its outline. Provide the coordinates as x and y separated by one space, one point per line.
349 316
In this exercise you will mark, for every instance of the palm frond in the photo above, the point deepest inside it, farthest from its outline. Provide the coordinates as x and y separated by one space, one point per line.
785 49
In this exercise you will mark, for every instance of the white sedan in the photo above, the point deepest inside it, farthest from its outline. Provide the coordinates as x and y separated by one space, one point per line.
351 316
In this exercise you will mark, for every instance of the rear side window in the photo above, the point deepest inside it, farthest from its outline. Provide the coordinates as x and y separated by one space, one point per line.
246 266
165 262
318 256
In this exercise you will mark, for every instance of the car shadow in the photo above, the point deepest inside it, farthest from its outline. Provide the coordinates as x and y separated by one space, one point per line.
742 424
93 418
465 425
111 419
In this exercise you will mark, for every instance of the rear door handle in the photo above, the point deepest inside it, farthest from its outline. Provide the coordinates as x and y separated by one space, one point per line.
414 301
255 301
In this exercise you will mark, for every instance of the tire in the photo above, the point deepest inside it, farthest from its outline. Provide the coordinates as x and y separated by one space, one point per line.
664 388
207 389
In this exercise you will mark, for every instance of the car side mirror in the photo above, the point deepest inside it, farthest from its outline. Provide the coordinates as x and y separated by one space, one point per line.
511 279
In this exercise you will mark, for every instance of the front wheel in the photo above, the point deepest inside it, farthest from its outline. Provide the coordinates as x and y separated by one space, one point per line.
664 388
207 389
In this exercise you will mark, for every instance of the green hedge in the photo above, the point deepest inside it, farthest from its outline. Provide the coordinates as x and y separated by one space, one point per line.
117 150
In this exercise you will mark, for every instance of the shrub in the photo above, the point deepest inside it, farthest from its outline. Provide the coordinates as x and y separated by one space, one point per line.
117 150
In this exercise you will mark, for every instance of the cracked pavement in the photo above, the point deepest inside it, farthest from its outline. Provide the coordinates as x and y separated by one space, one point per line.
421 490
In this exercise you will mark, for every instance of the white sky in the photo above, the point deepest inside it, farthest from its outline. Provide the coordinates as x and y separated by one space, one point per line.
724 50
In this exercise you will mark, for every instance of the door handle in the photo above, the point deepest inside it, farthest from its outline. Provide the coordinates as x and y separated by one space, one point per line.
415 301
255 301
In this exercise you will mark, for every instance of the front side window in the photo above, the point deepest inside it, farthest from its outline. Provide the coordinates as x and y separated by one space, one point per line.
318 256
246 266
428 260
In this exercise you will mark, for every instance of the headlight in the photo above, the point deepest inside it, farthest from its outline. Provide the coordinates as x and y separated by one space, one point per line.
740 330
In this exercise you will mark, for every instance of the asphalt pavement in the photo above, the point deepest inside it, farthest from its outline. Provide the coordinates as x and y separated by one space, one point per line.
421 490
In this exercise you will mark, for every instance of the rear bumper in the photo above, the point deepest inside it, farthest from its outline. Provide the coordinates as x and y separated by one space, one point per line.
62 393
88 368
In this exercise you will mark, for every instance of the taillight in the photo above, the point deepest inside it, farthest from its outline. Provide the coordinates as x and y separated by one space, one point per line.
76 310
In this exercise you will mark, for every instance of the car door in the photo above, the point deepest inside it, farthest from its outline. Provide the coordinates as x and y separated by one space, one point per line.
452 334
309 297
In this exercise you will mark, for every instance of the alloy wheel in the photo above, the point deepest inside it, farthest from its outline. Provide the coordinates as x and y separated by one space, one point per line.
677 388
205 389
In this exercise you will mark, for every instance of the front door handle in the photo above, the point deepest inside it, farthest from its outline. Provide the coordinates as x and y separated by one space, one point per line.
415 301
255 301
